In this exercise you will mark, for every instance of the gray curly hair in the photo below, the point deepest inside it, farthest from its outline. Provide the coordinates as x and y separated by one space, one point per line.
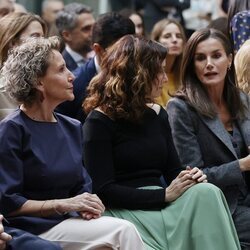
25 64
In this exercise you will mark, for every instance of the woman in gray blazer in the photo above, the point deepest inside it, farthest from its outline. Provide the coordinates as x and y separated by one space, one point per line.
210 120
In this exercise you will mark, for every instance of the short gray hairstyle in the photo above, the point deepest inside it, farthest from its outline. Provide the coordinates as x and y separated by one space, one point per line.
67 18
24 65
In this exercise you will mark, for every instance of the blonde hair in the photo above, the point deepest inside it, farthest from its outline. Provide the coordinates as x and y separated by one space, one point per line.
242 67
11 27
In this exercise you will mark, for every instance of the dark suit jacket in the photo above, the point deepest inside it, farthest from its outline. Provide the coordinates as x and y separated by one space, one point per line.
70 63
203 142
83 74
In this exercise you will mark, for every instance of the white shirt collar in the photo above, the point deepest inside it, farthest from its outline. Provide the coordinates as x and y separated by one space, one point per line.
97 66
79 59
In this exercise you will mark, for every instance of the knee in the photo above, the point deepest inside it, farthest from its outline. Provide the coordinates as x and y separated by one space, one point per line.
205 190
125 227
130 227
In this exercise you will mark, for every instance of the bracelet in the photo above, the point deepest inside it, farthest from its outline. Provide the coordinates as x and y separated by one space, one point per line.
57 212
41 209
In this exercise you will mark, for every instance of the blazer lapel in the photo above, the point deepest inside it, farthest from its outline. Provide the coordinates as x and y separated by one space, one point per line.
217 128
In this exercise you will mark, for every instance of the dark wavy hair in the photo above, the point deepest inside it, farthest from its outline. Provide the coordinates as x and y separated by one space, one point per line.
192 89
129 69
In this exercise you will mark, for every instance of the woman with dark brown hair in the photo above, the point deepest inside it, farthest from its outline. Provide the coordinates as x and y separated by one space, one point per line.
128 147
210 121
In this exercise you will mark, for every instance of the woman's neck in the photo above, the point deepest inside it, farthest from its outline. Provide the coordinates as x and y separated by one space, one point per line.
216 94
224 114
38 112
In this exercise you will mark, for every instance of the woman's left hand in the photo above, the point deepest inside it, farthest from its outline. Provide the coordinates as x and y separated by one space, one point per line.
89 215
197 174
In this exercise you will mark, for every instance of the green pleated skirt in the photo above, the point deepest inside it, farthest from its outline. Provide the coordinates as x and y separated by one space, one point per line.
198 220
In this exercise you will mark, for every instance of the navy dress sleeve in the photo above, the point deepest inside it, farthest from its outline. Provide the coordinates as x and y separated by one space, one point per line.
11 165
39 161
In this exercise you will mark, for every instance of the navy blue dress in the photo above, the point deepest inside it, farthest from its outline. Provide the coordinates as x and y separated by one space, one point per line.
39 161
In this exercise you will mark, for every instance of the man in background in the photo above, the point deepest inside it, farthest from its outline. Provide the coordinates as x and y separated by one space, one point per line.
75 23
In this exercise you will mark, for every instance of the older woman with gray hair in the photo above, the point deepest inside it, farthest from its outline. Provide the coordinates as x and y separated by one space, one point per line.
45 188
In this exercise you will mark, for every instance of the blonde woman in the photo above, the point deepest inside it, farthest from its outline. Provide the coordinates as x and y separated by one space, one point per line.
242 66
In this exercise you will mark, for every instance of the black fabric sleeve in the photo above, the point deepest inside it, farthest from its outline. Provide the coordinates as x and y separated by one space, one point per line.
98 160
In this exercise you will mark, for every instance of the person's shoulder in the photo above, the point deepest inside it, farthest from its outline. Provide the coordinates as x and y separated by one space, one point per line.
99 118
98 114
177 102
155 107
14 117
179 108
86 71
245 99
65 53
14 120
98 125
67 120
244 96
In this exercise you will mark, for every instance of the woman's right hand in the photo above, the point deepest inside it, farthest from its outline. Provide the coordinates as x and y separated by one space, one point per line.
179 185
88 205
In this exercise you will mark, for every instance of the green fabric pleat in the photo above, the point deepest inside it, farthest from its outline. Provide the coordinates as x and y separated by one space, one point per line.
198 220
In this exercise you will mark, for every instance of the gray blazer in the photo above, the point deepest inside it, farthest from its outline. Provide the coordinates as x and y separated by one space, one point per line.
203 142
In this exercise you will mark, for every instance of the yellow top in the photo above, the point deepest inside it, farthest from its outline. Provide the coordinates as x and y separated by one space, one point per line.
168 87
